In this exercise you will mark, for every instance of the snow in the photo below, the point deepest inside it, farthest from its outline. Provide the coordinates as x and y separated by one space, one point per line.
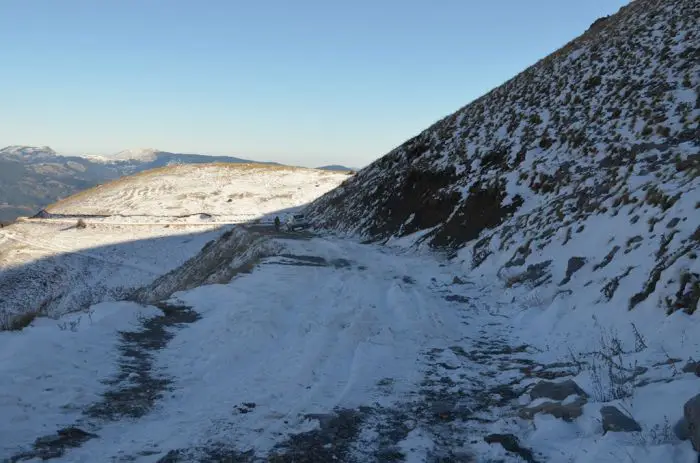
139 154
52 370
303 339
228 193
266 339
27 152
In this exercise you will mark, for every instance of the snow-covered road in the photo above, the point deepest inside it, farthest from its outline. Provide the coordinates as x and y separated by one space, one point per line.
328 350
325 325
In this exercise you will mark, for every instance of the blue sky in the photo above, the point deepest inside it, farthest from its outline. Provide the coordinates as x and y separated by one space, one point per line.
306 82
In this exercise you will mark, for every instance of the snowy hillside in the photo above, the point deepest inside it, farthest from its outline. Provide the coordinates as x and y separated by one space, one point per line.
226 192
33 177
589 160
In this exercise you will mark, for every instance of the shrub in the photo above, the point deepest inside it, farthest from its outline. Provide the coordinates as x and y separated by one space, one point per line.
535 119
80 224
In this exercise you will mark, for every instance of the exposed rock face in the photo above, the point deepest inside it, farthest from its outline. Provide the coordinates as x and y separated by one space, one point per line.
692 367
616 421
691 413
574 265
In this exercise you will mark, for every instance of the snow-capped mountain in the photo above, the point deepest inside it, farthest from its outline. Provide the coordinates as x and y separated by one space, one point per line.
27 153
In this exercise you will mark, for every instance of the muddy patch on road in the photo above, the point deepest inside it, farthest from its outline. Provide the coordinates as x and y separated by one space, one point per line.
136 388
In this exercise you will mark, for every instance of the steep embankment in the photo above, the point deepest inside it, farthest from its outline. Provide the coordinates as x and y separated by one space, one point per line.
589 158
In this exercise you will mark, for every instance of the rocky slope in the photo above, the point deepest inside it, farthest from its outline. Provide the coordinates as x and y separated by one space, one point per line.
590 157
32 177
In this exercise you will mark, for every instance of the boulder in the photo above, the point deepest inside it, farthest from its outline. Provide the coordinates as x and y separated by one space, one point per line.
692 367
566 412
616 421
681 429
556 390
691 413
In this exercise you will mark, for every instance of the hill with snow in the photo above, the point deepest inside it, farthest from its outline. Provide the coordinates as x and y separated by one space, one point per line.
33 177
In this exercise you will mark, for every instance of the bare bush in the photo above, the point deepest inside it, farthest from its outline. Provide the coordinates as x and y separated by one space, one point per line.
70 325
612 376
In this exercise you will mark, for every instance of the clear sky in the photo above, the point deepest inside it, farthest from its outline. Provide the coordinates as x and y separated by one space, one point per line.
306 82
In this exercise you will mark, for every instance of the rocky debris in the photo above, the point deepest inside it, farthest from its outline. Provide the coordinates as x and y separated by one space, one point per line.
457 298
55 445
556 390
330 442
565 411
691 413
616 421
692 367
547 371
246 407
688 295
535 275
511 443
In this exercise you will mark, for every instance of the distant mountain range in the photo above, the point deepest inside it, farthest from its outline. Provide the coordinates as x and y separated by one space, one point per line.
34 177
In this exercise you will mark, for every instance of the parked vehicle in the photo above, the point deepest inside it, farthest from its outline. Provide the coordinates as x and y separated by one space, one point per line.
297 221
